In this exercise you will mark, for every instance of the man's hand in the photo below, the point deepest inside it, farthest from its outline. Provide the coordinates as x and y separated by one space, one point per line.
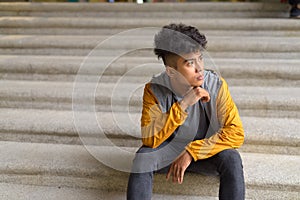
193 96
179 166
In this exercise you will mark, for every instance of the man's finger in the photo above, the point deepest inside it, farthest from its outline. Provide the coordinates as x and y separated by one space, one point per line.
177 178
169 173
176 174
181 176
205 99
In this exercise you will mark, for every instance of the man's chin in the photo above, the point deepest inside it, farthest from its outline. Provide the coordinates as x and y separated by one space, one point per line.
198 84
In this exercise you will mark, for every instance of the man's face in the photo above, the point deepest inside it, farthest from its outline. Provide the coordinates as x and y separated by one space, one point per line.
191 69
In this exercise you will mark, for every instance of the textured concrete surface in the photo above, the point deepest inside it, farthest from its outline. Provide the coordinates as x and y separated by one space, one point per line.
237 72
259 131
72 166
153 14
166 7
124 41
229 68
120 96
104 31
146 52
41 153
31 192
128 23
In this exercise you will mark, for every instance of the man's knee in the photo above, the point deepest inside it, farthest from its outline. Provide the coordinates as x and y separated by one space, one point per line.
145 160
153 159
231 160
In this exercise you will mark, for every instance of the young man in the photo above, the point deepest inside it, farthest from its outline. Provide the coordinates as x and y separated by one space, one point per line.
189 120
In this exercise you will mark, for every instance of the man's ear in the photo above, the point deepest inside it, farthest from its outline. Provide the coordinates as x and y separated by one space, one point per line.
170 71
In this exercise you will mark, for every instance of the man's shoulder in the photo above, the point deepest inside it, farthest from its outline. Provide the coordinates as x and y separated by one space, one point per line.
211 75
212 80
159 82
157 88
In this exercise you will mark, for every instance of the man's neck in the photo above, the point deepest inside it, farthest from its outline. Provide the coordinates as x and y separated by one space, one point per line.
179 89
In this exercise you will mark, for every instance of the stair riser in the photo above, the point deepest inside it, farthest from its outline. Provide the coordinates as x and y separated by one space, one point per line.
66 126
250 108
97 176
163 7
263 82
128 44
239 69
121 96
209 185
132 23
138 14
81 52
38 137
104 31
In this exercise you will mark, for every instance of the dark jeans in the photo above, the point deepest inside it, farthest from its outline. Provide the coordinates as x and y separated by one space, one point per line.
226 164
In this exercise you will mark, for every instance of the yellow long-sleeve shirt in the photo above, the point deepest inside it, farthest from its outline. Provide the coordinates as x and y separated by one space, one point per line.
158 126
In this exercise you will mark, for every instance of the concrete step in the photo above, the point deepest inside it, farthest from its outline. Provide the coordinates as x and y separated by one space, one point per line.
267 176
33 192
229 68
122 44
232 81
124 41
203 9
41 151
203 24
121 96
105 31
263 135
263 72
156 14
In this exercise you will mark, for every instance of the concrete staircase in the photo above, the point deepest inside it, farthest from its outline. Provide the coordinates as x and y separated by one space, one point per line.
51 93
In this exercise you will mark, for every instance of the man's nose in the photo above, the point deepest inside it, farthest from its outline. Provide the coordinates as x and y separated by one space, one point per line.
198 67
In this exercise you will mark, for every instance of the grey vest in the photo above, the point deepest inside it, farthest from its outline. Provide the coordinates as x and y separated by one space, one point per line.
185 133
165 154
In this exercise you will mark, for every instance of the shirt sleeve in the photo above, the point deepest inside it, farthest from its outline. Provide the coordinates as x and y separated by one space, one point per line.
231 133
156 126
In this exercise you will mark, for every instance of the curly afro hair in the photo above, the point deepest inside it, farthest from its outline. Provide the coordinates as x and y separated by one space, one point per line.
177 39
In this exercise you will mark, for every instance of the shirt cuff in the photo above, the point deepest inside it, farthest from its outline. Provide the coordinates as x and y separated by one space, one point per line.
188 149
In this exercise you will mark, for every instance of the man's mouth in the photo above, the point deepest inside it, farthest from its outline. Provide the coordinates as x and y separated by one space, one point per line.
199 78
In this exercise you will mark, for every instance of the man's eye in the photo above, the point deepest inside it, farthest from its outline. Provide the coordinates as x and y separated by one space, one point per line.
190 62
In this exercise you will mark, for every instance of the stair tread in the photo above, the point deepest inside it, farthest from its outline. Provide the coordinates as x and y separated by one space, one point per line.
105 31
266 131
277 171
70 65
65 90
124 42
32 192
191 6
132 22
264 102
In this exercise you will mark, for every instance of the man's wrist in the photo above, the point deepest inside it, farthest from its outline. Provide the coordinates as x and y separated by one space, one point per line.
183 105
188 155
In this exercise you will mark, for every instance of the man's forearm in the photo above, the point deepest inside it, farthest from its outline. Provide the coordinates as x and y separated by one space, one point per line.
162 125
